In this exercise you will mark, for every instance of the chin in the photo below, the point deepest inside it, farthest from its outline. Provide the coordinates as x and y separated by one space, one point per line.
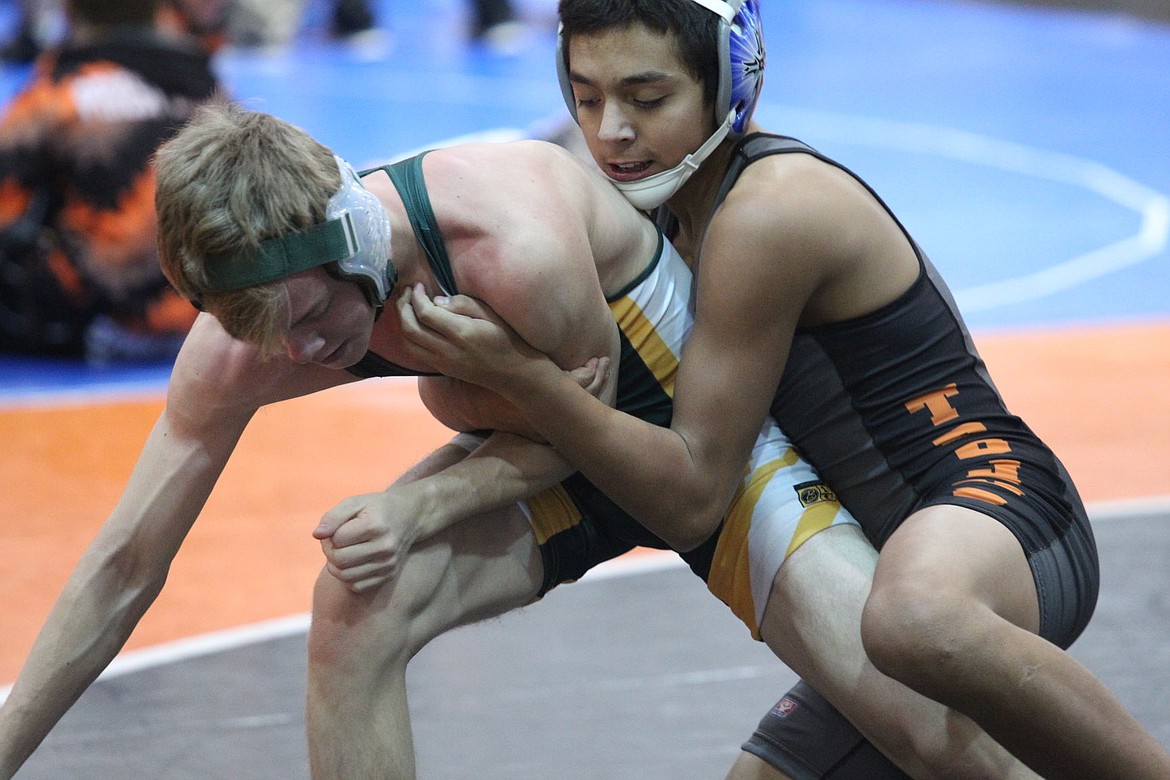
347 357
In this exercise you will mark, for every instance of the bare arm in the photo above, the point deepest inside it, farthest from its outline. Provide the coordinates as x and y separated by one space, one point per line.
124 568
366 538
116 580
752 290
685 474
462 406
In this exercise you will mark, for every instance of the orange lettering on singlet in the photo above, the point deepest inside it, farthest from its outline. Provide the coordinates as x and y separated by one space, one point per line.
1003 470
981 447
958 431
979 494
1003 474
936 402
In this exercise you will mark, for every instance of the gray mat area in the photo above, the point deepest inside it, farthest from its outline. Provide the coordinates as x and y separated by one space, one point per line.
644 676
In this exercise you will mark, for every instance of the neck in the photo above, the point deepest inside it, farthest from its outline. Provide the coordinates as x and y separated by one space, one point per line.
692 204
406 252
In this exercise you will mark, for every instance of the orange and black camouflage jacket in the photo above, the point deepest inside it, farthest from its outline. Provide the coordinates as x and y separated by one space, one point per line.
77 220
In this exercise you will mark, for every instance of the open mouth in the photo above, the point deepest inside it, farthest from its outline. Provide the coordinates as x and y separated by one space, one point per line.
628 171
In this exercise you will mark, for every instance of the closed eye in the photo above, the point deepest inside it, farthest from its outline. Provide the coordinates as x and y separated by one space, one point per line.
308 316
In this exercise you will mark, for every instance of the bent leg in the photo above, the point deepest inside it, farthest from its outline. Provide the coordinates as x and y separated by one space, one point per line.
813 623
360 645
954 615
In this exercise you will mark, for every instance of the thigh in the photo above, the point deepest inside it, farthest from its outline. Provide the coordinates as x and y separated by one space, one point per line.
954 553
780 507
813 624
476 569
813 616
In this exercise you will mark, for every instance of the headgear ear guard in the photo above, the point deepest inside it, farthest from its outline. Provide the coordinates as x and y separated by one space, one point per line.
741 57
741 61
354 240
741 78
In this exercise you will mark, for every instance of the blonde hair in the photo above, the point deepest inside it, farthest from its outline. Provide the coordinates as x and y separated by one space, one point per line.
230 179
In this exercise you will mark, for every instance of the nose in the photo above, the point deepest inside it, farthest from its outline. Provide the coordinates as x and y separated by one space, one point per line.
303 348
614 124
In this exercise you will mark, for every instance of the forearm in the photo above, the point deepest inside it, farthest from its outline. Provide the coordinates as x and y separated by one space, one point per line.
86 628
501 472
114 583
650 471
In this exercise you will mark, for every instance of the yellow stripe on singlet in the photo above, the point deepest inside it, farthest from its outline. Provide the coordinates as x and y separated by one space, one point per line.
551 512
813 520
645 338
730 577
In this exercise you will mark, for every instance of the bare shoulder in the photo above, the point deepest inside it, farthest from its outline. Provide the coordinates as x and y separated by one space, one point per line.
803 222
536 174
572 198
216 377
521 227
511 205
793 197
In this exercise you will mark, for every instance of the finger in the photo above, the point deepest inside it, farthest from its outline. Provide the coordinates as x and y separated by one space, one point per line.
466 306
599 379
368 584
336 517
345 558
361 578
411 327
416 316
585 375
441 319
358 530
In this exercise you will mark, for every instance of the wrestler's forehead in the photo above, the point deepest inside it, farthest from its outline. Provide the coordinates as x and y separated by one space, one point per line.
624 54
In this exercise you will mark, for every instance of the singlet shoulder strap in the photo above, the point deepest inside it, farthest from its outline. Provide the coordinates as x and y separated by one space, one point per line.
749 149
752 148
407 177
374 365
408 180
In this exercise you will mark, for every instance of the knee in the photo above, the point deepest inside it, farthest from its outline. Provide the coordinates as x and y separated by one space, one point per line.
918 634
352 632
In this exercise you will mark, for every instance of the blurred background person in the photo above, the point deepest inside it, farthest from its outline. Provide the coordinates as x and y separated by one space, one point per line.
38 26
274 23
79 271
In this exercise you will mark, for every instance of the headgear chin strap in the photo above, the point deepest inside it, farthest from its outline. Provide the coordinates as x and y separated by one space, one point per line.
741 78
653 191
355 238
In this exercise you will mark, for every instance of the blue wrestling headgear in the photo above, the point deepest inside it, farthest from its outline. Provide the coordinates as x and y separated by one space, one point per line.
741 78
354 240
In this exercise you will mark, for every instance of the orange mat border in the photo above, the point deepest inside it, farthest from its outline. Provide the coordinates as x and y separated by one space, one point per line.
1097 395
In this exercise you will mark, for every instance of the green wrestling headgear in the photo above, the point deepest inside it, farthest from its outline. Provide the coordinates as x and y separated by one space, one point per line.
353 243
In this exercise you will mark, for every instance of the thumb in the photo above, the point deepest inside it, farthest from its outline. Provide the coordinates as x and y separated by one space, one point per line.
334 519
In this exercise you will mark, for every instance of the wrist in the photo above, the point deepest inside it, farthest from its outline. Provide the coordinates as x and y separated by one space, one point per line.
435 503
540 377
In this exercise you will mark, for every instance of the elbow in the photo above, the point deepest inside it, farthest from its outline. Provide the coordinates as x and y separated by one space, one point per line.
429 392
694 521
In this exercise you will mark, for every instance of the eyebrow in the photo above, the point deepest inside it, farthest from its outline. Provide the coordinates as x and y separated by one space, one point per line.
306 313
633 80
